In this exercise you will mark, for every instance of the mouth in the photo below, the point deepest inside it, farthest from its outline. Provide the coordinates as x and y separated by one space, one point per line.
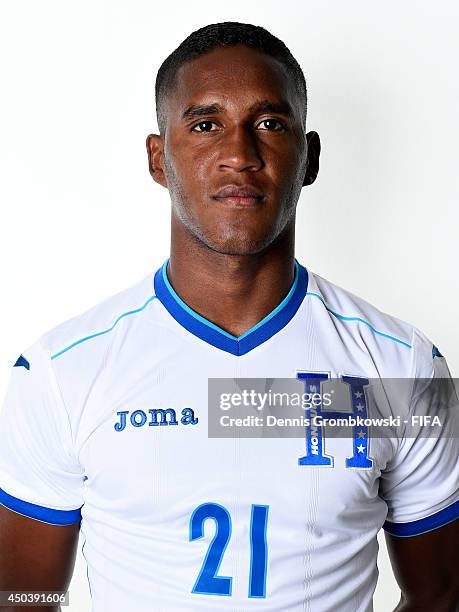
239 196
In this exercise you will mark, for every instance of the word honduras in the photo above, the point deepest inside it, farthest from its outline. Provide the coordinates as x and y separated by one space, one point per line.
273 398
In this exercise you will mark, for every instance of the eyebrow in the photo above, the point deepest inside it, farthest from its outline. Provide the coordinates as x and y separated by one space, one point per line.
200 110
266 106
262 106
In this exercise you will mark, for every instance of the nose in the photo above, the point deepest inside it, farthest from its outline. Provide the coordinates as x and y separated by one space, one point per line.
239 150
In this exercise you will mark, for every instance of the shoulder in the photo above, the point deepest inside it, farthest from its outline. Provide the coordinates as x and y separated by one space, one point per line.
99 320
375 329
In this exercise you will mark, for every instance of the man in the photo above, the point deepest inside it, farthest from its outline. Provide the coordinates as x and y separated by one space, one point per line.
106 416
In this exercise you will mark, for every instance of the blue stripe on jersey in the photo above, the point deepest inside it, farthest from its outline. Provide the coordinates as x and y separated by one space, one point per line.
343 318
211 333
40 513
434 521
105 331
218 337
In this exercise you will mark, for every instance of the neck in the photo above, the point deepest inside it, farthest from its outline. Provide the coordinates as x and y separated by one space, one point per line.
234 292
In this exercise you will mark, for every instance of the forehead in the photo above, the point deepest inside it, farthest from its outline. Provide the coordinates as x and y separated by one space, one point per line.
234 77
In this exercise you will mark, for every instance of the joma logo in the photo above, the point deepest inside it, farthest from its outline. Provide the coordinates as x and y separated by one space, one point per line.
154 417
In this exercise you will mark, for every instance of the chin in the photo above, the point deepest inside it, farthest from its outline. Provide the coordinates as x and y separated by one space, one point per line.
234 240
238 246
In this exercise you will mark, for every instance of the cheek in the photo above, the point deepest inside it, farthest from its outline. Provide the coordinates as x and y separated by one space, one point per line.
281 161
285 161
193 168
202 165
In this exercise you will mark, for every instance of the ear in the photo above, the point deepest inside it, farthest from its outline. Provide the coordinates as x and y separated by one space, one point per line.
312 170
155 149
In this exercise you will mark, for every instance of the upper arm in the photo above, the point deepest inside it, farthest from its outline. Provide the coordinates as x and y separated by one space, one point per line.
425 567
421 488
35 556
41 481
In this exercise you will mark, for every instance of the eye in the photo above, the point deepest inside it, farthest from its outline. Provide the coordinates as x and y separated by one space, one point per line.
272 125
204 126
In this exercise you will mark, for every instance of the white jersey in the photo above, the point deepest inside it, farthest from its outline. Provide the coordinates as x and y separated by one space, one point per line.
106 420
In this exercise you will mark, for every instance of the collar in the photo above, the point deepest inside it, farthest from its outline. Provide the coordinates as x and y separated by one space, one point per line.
204 329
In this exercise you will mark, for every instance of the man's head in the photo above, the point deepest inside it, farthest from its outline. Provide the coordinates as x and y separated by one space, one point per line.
232 149
218 35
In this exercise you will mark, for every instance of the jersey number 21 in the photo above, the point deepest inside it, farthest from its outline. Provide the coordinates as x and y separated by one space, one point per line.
207 582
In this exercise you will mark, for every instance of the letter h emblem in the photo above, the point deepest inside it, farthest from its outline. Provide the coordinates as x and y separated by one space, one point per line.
315 453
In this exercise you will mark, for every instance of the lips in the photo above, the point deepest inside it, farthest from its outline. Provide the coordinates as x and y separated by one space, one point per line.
239 194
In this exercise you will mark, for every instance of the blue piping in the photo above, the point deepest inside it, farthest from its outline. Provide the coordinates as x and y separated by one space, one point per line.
339 316
125 314
219 337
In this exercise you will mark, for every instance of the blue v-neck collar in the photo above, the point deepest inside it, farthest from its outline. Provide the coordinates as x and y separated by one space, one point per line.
218 337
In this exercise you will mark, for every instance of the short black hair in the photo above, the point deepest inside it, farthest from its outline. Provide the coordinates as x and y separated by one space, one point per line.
225 34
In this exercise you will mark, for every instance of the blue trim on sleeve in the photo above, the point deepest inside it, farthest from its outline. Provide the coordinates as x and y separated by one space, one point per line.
434 521
220 338
40 513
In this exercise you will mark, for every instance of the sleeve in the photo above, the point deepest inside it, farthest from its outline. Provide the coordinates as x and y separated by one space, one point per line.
39 475
421 483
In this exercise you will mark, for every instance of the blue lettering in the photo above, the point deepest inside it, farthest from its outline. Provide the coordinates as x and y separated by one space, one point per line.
155 417
314 436
188 417
138 422
159 413
122 424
